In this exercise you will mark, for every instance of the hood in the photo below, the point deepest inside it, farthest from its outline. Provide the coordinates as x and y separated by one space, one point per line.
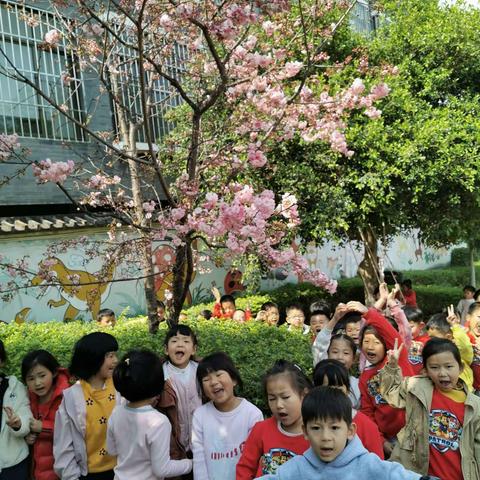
62 381
353 450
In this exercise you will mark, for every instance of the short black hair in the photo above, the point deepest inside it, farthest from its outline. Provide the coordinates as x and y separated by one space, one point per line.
181 329
321 306
268 305
413 314
39 357
473 307
440 345
227 298
105 312
469 288
335 372
295 306
439 322
326 403
206 314
407 283
139 375
3 353
218 361
299 381
351 317
89 354
345 338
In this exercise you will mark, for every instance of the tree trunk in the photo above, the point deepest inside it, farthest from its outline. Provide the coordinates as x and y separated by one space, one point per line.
182 277
471 251
368 268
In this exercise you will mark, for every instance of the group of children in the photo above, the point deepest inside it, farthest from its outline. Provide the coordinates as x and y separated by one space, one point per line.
385 384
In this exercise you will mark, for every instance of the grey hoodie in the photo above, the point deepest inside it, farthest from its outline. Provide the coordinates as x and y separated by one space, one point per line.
354 463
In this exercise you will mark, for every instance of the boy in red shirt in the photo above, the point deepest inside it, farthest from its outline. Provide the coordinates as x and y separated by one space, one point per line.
419 337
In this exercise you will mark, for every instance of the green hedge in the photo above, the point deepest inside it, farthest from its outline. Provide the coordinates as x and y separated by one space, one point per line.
448 277
253 346
460 257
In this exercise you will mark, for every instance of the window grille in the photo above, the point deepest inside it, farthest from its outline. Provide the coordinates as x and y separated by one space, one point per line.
361 17
22 110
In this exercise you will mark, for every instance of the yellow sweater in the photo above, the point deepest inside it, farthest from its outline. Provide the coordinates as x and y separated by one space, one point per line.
99 406
461 340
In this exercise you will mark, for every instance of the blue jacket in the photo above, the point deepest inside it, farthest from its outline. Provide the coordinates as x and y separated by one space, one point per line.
354 463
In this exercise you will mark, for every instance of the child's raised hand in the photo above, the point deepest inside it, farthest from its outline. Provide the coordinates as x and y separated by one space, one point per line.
383 296
340 311
216 294
395 290
394 355
357 307
452 318
13 420
35 425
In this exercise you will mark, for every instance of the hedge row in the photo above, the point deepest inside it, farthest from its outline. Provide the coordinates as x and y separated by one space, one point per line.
253 346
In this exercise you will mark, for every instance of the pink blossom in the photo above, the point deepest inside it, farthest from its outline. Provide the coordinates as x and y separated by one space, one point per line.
373 113
292 68
380 91
8 143
256 157
268 27
52 37
48 171
166 22
358 87
211 199
177 213
149 207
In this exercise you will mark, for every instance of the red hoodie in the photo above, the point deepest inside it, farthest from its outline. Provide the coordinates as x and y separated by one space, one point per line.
43 446
389 420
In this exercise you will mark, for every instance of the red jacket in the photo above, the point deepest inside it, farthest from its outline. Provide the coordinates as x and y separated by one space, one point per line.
43 446
369 434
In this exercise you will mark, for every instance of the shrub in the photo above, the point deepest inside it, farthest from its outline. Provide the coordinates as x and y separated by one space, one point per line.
253 346
451 277
460 257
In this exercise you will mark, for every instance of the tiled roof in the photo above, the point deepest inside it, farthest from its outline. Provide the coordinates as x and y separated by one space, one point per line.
9 225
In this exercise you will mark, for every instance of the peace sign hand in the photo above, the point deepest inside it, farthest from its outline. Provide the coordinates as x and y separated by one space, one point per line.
13 420
452 318
394 355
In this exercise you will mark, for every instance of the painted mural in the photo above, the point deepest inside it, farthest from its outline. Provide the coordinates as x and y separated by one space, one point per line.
83 301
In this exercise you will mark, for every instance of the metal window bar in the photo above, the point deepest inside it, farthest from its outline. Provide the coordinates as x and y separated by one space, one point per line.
23 111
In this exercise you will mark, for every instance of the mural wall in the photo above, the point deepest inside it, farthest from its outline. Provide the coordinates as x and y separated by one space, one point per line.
42 303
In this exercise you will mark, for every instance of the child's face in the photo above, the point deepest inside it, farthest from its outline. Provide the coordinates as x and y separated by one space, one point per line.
228 308
285 402
340 350
218 386
317 322
474 322
108 366
353 331
328 437
272 315
107 321
295 317
373 348
468 294
40 382
161 313
180 348
443 370
417 328
239 316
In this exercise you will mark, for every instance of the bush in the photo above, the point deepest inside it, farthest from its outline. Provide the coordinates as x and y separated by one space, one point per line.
253 346
451 277
460 257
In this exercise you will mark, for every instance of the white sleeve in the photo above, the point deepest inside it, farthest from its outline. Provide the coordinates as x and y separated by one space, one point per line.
111 444
320 345
162 464
200 470
22 409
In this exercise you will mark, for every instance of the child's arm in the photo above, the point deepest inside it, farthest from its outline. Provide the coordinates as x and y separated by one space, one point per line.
322 340
111 443
366 403
200 470
402 322
247 466
19 414
217 308
65 466
162 465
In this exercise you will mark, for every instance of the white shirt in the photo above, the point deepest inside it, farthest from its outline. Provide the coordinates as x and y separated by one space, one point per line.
218 439
140 437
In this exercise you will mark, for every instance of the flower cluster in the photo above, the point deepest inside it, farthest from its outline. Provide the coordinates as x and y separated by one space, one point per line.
48 171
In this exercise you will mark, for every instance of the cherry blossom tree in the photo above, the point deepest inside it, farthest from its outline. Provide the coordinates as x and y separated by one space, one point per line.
237 77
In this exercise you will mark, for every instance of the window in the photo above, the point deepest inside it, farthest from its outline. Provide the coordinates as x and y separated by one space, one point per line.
361 17
22 110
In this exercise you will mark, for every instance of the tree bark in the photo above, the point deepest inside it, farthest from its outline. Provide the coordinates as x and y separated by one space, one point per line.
182 278
368 268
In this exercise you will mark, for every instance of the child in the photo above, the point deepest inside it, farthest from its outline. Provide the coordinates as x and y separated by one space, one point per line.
221 426
409 295
269 314
46 381
442 432
465 302
224 305
332 373
276 440
161 311
335 452
137 434
205 314
419 337
180 398
79 438
376 338
319 316
15 418
106 318
353 327
239 316
296 319
443 325
473 322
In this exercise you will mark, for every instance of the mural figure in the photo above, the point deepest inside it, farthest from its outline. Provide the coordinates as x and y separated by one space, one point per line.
79 289
21 316
233 282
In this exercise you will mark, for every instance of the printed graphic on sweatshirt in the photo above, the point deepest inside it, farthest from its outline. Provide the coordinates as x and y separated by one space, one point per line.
271 460
415 353
445 431
373 388
476 355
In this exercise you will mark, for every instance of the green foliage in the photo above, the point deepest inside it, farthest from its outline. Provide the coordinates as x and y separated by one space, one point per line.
456 277
460 257
253 346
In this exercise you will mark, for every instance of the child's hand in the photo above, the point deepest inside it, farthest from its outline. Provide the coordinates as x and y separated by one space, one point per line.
357 307
35 425
340 312
216 294
394 355
452 318
31 438
387 448
383 296
13 420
